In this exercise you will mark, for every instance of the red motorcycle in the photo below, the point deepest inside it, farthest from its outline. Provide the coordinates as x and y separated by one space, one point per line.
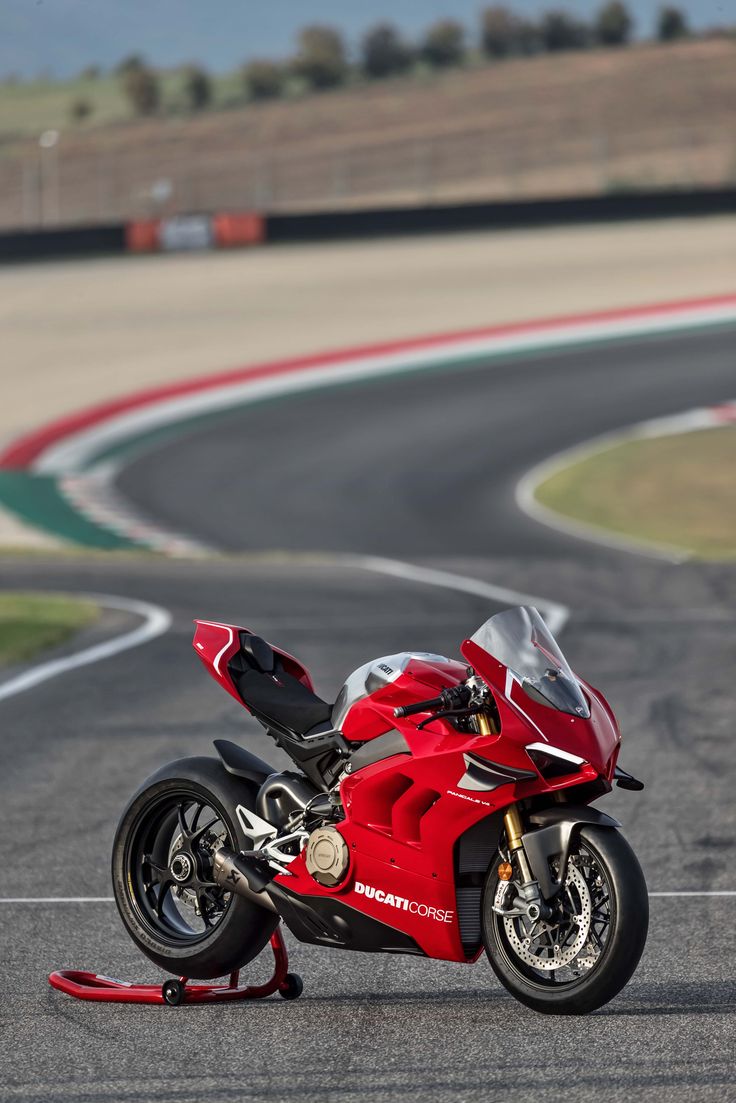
437 808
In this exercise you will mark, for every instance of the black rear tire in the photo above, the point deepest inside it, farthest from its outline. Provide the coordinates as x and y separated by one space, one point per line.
242 928
628 924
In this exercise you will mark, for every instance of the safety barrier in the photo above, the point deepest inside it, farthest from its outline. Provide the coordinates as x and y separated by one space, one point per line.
237 229
62 242
188 232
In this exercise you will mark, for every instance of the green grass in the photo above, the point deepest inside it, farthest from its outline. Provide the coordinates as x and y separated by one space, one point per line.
30 623
677 490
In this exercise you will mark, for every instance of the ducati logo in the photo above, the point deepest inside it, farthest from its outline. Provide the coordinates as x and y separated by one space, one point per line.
413 906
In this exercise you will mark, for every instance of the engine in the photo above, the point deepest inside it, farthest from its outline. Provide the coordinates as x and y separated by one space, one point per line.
301 815
327 857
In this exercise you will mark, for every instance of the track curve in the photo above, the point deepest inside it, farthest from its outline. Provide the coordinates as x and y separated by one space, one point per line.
422 466
418 466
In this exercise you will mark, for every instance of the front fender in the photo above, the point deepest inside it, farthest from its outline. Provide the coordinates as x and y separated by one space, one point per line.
555 830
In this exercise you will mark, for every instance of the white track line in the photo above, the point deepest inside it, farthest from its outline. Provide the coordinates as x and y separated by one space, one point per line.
57 900
717 892
156 622
555 614
111 899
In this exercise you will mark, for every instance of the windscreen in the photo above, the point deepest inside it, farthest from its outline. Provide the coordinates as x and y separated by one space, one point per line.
520 640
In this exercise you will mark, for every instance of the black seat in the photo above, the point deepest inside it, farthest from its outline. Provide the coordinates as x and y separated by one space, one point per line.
260 653
268 690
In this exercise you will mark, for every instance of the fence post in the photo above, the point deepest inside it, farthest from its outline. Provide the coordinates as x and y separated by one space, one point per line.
340 174
30 195
48 145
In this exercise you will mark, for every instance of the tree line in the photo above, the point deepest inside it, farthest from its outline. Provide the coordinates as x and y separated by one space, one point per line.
323 60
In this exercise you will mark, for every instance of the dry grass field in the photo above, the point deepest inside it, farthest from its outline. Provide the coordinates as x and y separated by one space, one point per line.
674 490
649 116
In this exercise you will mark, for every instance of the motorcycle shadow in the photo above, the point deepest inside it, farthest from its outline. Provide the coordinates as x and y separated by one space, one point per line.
438 998
675 998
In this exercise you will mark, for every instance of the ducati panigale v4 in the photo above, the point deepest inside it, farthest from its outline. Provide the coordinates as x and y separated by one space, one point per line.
437 807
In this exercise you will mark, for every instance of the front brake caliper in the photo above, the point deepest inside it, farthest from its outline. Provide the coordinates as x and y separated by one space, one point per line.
503 900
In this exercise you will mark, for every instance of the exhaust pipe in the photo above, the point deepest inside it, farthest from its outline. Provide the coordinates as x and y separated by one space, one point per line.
242 876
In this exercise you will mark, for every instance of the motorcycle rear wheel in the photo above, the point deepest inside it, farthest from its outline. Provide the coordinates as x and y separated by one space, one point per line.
161 872
581 960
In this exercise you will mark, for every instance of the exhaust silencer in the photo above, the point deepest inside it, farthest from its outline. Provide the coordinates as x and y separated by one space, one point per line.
242 876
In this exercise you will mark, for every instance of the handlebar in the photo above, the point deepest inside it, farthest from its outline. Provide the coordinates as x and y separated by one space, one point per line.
449 699
419 706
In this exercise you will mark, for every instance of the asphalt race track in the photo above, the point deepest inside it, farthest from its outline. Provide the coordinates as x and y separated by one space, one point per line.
419 465
421 468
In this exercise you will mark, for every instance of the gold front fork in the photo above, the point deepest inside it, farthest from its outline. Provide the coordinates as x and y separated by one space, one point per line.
512 820
514 826
483 723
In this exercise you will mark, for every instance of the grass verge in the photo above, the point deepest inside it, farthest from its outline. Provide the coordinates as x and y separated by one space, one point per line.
678 490
30 623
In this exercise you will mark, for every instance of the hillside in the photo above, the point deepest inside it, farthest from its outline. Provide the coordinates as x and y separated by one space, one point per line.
648 116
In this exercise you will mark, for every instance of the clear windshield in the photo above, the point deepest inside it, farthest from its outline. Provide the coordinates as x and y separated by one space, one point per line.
521 640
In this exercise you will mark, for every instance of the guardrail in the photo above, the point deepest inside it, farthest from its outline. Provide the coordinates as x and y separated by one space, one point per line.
248 228
65 242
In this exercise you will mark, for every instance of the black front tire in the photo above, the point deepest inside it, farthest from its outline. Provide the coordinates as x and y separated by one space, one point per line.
629 920
242 929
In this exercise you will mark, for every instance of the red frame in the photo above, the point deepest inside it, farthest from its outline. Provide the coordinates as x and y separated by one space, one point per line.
405 814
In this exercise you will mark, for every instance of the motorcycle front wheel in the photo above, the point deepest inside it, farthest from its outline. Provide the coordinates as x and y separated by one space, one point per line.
162 872
585 953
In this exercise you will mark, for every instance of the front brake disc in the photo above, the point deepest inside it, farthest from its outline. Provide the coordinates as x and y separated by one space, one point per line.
549 946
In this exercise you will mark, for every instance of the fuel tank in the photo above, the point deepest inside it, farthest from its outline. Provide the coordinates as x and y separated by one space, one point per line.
405 677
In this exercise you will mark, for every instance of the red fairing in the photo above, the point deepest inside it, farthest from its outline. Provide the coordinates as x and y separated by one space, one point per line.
594 739
404 815
217 643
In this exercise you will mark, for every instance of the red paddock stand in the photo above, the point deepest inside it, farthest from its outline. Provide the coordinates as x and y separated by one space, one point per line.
92 986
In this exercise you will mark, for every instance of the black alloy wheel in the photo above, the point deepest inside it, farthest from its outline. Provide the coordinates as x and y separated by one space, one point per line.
583 954
169 861
162 872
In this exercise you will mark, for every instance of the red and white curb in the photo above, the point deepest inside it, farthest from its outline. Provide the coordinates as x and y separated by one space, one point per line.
94 495
706 417
73 450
